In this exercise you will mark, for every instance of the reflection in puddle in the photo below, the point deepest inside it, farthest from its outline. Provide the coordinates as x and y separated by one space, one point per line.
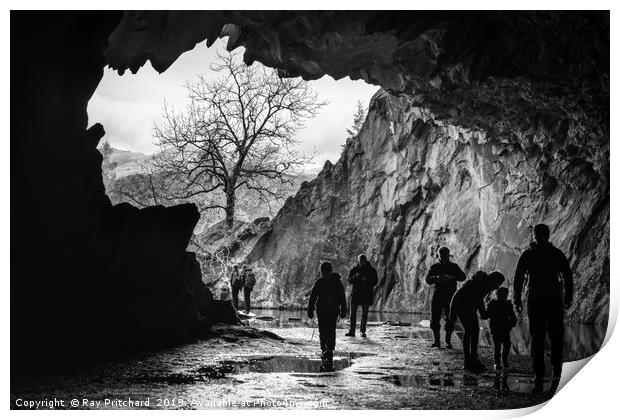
580 340
312 385
500 382
296 365
417 333
279 364
275 318
289 364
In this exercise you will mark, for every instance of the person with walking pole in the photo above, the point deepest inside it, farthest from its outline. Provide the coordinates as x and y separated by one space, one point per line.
328 299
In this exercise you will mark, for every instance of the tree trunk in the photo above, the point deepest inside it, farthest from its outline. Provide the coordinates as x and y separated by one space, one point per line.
230 209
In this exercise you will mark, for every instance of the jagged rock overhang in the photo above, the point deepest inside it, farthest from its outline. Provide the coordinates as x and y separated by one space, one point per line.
496 72
395 49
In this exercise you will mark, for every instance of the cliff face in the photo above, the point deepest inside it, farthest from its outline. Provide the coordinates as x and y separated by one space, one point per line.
411 182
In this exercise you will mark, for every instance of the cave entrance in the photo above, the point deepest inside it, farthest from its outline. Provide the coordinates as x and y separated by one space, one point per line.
149 116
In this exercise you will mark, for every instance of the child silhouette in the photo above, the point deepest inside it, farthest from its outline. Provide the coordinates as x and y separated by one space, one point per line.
502 319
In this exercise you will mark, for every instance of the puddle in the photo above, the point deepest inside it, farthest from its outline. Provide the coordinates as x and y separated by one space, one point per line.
281 364
499 382
360 372
353 354
275 318
289 364
299 366
416 333
398 324
216 371
311 375
392 367
312 385
580 340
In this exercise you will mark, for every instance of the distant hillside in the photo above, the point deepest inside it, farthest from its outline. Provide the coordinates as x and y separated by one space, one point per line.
123 168
125 162
122 157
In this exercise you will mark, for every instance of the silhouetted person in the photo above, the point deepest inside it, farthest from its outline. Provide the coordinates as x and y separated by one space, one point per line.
236 284
543 263
444 275
249 281
363 278
466 302
502 319
328 297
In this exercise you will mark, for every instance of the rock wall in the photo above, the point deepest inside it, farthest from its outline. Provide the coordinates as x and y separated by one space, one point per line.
411 182
88 279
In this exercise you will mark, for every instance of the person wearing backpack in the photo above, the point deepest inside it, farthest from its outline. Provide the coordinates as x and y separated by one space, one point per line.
328 298
249 281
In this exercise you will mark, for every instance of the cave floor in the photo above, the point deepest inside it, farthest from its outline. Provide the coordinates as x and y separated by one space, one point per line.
394 368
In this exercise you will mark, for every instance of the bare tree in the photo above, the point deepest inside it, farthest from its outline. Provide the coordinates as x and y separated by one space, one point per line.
237 135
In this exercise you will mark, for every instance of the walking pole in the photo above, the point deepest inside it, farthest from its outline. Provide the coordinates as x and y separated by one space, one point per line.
313 329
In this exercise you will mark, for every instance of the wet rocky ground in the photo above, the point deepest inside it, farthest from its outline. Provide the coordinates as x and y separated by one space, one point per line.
393 368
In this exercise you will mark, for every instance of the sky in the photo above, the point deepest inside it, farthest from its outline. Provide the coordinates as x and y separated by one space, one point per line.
129 105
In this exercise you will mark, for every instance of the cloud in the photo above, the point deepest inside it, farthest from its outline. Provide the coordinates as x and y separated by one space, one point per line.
128 124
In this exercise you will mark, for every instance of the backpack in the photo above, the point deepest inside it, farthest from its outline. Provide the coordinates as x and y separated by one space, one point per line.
250 280
329 298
